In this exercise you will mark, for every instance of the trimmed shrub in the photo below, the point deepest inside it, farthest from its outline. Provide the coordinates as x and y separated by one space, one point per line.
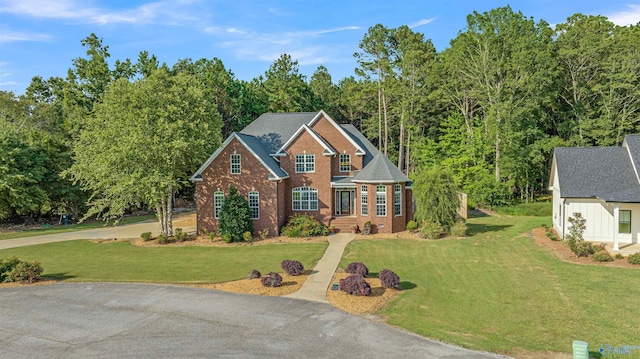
227 238
263 234
355 285
304 226
602 257
431 230
179 235
146 236
292 267
162 239
272 279
6 266
412 225
254 274
357 268
619 256
235 216
389 279
25 272
459 229
634 258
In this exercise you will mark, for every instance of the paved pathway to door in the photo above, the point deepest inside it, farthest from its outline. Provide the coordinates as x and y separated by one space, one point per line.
315 288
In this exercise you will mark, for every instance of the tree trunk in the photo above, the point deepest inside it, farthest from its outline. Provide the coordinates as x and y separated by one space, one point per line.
169 213
160 217
386 123
400 146
379 108
497 158
407 153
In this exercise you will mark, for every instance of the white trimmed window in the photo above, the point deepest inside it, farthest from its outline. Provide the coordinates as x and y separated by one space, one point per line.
364 200
381 200
235 164
305 163
254 204
345 162
397 200
624 221
304 199
218 200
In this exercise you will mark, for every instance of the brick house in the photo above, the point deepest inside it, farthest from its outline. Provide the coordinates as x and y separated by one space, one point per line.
304 163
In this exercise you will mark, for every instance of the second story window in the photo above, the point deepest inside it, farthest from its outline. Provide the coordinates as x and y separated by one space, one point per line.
305 163
345 162
235 164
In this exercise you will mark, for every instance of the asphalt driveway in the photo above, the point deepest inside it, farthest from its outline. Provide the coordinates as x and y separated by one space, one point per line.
107 320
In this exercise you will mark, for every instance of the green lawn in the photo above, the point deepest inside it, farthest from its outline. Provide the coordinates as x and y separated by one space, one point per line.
71 227
498 291
83 260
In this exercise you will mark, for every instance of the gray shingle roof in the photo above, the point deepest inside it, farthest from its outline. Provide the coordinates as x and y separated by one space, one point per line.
597 172
256 146
274 129
380 170
362 141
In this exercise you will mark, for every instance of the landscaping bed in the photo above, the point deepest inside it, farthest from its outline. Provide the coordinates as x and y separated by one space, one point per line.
371 304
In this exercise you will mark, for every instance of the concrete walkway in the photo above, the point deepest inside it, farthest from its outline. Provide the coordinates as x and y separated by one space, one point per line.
123 231
315 288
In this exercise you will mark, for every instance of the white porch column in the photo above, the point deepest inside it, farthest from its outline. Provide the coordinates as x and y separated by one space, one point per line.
616 224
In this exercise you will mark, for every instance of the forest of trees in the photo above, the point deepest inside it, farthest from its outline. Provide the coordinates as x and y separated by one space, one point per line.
490 108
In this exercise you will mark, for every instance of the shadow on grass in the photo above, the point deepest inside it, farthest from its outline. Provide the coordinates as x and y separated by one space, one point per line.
595 355
407 285
484 228
58 276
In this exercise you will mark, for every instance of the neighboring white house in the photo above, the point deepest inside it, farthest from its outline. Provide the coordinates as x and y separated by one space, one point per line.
602 184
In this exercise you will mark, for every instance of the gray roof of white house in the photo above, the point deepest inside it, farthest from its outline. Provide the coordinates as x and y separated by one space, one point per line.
606 173
380 170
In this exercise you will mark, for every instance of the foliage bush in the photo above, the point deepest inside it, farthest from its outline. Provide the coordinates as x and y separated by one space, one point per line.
247 236
535 209
412 225
212 235
634 258
304 226
13 269
357 268
389 279
551 234
272 279
263 234
355 285
619 256
254 274
25 272
437 196
486 192
366 230
459 229
602 257
162 239
235 216
431 230
575 239
227 237
146 236
179 235
292 267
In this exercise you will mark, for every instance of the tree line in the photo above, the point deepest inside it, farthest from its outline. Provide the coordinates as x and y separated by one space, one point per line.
489 109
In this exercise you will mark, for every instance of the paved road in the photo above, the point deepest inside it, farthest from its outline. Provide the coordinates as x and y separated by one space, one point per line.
123 231
106 320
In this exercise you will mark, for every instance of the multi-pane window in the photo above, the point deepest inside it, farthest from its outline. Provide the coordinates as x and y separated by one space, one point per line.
381 200
235 164
218 200
364 200
254 204
397 199
624 222
305 163
345 162
304 198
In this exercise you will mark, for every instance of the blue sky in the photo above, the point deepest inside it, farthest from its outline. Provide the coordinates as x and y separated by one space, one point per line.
41 37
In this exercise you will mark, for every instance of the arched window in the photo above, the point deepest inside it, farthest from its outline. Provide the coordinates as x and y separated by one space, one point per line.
304 199
254 204
218 200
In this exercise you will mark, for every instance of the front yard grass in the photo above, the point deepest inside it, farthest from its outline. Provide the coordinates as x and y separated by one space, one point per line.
71 227
498 291
83 260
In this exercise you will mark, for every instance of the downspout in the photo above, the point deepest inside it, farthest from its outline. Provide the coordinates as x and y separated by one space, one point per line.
564 214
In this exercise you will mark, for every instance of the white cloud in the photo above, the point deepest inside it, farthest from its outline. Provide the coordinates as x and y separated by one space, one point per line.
421 22
165 12
629 16
14 36
8 83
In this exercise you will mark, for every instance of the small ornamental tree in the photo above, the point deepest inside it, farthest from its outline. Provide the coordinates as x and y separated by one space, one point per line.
437 197
357 268
389 279
575 238
292 267
355 285
254 274
235 216
272 279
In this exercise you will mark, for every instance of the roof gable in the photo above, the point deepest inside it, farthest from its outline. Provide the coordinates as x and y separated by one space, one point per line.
328 150
254 146
380 170
273 130
360 151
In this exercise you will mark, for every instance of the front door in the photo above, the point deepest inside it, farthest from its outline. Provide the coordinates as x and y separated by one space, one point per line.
345 202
